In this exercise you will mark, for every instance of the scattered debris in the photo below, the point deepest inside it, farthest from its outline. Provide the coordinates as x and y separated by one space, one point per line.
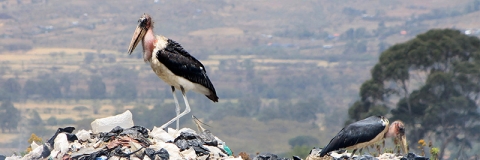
412 156
133 142
139 143
342 154
269 156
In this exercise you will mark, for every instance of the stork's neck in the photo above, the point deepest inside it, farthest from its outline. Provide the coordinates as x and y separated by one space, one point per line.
392 131
148 44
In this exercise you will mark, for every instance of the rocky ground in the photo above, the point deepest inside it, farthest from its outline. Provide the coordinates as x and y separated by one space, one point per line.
117 138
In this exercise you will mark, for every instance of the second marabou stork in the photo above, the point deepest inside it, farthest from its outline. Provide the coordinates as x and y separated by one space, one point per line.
172 64
367 132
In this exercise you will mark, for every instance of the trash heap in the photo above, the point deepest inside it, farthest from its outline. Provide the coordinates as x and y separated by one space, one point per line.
117 138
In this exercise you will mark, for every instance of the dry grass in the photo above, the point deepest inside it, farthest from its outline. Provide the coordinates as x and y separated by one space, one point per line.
6 137
226 57
58 50
223 31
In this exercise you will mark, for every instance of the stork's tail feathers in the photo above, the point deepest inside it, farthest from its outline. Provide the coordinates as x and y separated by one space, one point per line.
212 97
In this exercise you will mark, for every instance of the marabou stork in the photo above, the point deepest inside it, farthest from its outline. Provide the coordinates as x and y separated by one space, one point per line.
172 64
366 132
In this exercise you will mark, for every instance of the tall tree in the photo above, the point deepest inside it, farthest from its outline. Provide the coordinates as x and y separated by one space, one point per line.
30 88
49 89
65 84
9 116
432 83
12 87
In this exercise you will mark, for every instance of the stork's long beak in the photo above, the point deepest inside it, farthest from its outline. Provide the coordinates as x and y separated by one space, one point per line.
137 37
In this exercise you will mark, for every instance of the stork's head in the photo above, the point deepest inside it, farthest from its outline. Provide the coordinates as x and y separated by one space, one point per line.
397 132
145 25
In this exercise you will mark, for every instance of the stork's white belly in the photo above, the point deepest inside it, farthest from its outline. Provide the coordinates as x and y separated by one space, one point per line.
173 80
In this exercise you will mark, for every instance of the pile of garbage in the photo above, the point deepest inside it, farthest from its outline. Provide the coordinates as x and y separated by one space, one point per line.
118 138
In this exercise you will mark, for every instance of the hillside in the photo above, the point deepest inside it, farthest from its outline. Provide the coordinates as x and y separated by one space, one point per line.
298 50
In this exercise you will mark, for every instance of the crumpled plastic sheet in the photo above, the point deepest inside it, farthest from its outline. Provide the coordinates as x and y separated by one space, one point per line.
45 150
152 154
208 138
187 140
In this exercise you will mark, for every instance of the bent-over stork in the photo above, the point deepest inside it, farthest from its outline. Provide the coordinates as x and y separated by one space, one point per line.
172 64
366 132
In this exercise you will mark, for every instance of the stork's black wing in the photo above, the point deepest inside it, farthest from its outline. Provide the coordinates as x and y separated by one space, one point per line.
181 63
358 132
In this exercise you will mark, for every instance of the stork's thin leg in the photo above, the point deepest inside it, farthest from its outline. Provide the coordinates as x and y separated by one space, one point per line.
353 152
187 110
177 109
383 146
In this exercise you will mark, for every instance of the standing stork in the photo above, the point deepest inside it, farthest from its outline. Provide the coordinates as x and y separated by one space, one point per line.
172 64
366 132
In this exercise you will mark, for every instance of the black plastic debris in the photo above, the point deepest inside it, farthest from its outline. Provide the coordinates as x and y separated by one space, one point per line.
270 156
152 154
119 152
205 134
366 157
48 147
412 156
67 130
265 156
187 140
208 138
296 158
343 157
93 156
136 132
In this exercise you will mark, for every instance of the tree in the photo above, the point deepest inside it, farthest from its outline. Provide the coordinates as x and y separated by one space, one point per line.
9 116
30 88
96 87
52 121
49 89
12 87
65 84
35 119
436 79
248 106
355 47
80 109
126 91
89 57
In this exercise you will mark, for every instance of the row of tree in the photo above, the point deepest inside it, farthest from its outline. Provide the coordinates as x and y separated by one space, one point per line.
47 88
